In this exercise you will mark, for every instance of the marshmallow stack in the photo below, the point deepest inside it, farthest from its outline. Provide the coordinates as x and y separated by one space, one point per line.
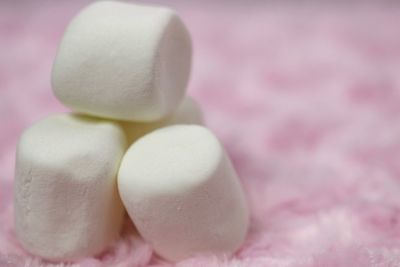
128 65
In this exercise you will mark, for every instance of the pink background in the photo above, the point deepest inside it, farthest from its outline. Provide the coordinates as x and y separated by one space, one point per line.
306 99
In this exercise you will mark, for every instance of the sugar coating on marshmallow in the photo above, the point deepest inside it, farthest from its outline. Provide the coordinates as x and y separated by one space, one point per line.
182 193
66 199
188 112
123 61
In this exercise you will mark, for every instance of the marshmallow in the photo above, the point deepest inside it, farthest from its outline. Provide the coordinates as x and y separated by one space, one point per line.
188 112
182 193
66 199
123 61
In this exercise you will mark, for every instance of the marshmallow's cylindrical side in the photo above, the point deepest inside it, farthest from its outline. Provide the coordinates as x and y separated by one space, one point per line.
188 112
123 61
182 193
66 200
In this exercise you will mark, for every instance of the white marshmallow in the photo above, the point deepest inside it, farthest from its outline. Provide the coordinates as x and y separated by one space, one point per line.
66 199
123 61
182 193
188 112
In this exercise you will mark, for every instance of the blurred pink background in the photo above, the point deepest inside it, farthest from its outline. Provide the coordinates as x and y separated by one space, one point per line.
306 98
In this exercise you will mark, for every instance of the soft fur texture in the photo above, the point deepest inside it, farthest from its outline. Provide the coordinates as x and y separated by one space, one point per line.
306 98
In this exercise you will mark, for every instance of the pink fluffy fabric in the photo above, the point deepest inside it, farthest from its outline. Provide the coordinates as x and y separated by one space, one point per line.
306 99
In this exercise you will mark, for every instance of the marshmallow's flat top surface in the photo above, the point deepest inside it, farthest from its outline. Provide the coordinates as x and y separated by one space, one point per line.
60 139
168 159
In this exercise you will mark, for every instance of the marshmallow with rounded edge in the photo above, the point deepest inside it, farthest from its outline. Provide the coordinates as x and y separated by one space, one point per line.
123 61
66 199
188 112
182 193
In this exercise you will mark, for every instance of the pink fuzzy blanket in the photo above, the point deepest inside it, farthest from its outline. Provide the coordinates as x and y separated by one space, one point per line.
306 99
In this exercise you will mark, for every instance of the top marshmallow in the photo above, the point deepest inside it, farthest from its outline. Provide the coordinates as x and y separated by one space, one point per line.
123 61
